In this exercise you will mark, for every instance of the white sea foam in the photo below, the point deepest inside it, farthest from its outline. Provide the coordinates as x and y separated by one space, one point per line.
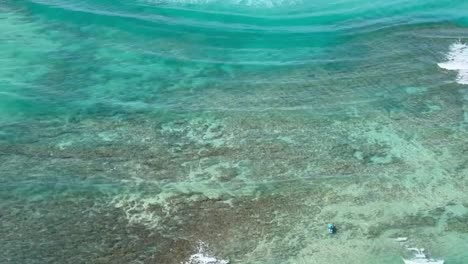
251 3
203 257
136 209
421 258
457 60
419 254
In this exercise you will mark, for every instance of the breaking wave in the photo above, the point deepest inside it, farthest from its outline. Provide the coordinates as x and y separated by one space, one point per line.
420 257
457 60
250 3
203 257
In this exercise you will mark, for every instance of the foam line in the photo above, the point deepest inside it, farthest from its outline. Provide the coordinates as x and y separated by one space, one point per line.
457 60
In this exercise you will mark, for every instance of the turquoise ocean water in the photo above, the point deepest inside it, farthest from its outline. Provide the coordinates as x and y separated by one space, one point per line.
216 131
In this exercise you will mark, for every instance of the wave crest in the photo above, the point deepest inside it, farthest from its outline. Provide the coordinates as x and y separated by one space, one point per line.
249 3
457 60
202 257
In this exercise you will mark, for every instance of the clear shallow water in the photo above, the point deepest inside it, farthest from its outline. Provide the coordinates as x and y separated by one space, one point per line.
182 131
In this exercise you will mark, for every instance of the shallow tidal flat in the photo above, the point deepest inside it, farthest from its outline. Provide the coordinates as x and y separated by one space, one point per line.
223 179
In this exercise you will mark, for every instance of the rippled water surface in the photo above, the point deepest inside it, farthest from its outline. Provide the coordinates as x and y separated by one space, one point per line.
233 131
